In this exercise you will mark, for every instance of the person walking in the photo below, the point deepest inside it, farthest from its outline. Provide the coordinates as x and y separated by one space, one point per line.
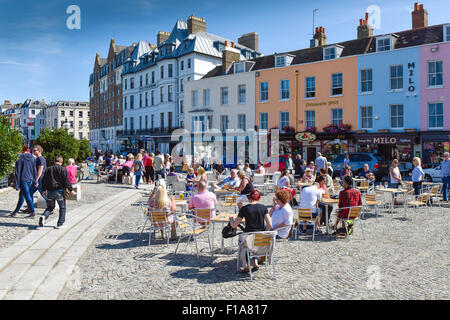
298 167
347 160
417 176
158 166
148 164
138 169
25 179
321 162
41 166
54 182
445 171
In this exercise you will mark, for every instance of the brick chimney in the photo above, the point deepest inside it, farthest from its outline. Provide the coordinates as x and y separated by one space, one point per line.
419 17
320 36
365 30
162 36
196 24
229 55
249 40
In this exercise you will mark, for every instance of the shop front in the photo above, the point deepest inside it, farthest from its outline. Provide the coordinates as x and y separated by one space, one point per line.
329 144
434 144
400 146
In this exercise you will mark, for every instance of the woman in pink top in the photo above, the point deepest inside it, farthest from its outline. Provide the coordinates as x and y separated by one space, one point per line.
71 171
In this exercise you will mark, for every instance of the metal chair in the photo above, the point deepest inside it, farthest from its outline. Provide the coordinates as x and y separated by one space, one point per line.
305 216
354 213
370 200
421 201
192 230
158 220
259 244
258 182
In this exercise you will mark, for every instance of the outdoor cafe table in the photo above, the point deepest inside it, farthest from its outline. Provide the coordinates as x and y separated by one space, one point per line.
222 218
424 183
225 192
393 192
328 201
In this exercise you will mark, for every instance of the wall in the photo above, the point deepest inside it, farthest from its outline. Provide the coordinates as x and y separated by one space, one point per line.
382 97
322 71
428 95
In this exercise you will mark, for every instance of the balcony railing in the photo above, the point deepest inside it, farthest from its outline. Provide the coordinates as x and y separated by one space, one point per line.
154 131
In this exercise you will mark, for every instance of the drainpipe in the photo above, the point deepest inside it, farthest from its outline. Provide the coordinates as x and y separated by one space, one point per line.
296 100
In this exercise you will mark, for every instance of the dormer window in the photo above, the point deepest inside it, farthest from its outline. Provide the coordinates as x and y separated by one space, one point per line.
220 46
239 67
385 43
280 61
447 32
283 60
333 52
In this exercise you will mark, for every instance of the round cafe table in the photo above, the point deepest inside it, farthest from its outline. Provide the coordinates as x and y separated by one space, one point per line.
328 201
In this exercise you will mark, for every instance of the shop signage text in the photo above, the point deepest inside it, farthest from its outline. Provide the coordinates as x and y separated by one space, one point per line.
315 104
411 67
386 140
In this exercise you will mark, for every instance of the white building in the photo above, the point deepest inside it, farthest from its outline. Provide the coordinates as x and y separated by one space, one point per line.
32 119
223 100
154 80
74 113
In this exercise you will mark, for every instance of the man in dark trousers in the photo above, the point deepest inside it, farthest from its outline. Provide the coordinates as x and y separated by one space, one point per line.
54 182
25 179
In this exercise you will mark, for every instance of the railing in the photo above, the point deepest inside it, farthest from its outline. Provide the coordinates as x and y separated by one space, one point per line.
167 130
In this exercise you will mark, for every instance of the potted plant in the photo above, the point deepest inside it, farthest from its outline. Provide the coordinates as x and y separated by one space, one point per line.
288 129
311 129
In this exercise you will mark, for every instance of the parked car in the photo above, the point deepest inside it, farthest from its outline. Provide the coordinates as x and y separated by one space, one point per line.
377 164
433 174
270 166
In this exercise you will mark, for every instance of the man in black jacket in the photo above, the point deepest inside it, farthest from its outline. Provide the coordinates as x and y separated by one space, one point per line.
25 179
54 182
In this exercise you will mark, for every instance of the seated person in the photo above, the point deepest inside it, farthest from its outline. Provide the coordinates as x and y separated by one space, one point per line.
247 170
201 175
203 199
190 179
368 174
260 169
72 171
308 177
159 200
121 160
255 214
172 173
281 214
328 179
284 181
346 171
310 199
230 182
218 168
348 197
245 188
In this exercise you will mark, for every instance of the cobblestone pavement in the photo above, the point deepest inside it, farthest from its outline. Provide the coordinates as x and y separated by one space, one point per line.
13 229
400 259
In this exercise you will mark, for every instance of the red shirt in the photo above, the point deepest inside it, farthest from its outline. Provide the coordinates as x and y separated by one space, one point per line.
348 198
148 162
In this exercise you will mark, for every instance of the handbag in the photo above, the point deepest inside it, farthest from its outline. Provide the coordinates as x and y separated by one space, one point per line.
230 232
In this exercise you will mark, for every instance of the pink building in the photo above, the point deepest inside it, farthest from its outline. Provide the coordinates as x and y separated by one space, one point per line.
435 100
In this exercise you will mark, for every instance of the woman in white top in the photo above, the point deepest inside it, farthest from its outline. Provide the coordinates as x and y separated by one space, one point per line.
394 172
260 169
284 181
281 214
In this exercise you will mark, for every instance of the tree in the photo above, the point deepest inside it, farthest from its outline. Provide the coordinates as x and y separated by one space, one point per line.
10 147
58 142
84 151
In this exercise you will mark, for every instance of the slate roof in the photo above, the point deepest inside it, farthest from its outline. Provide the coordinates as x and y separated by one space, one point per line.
408 38
184 43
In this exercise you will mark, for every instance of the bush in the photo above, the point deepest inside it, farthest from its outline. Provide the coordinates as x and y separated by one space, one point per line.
58 142
10 147
84 150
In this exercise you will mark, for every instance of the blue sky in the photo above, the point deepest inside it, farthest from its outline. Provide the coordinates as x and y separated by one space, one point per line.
41 59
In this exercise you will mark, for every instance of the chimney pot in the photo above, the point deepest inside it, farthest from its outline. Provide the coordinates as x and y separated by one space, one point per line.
416 6
226 43
419 17
367 17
